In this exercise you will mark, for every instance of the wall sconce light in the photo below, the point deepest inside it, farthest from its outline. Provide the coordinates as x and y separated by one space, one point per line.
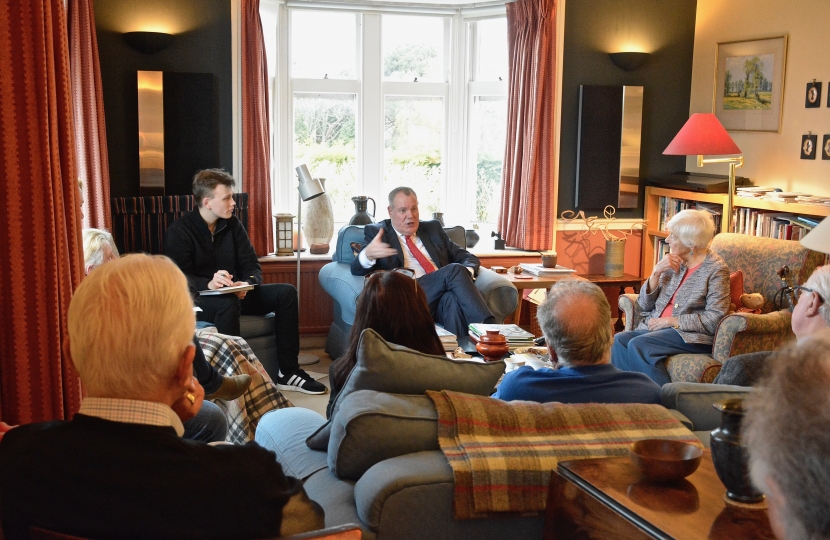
629 61
148 42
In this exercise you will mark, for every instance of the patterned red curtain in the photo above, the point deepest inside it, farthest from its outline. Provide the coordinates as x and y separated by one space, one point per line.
88 109
40 236
528 175
256 160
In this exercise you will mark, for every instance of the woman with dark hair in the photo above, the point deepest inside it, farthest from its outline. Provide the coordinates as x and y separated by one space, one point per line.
392 305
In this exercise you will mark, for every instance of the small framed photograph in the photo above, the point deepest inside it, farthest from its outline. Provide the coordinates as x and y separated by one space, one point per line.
812 98
808 146
825 147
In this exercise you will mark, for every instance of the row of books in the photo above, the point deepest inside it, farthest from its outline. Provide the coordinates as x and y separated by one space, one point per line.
670 206
781 225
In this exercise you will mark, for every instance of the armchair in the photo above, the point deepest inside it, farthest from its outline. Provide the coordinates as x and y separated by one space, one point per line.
337 280
759 259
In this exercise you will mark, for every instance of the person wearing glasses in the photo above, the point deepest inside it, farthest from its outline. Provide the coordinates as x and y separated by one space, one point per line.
443 269
682 302
393 305
811 315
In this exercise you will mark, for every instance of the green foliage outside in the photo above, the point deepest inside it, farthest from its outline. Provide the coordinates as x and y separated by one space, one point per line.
488 188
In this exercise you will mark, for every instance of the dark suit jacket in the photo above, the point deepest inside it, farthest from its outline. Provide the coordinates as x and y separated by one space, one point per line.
441 249
95 478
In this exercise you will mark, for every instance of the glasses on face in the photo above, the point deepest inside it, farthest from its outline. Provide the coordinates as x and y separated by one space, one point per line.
405 271
798 290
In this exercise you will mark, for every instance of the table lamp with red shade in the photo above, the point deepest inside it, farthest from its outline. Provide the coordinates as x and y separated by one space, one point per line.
703 134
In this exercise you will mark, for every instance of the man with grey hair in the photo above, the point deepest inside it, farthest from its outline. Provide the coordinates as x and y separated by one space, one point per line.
576 321
443 269
120 467
787 433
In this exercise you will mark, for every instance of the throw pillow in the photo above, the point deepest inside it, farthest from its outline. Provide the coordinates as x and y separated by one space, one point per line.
386 367
736 287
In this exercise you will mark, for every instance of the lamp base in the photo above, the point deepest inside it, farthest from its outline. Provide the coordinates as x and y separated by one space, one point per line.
305 359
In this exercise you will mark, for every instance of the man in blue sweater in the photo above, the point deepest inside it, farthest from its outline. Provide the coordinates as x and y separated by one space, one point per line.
576 321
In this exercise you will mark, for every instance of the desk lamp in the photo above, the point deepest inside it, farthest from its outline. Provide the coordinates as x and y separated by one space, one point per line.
703 134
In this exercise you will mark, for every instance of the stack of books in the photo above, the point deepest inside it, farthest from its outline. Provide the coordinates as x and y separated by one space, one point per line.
541 271
516 337
448 339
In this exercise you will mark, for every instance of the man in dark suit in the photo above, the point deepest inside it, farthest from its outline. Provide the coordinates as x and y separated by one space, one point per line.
120 468
443 269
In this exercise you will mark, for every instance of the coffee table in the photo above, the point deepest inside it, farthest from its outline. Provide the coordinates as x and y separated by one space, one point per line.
607 498
537 282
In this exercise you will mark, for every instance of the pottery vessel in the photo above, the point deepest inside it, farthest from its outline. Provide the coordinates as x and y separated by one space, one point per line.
614 258
472 238
729 456
493 346
439 217
361 216
319 223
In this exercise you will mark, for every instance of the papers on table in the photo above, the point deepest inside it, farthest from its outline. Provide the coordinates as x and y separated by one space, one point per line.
541 271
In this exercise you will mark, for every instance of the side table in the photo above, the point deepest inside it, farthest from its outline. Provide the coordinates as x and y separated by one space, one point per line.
537 282
607 498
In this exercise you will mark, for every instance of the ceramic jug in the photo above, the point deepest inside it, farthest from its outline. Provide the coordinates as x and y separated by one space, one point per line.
362 217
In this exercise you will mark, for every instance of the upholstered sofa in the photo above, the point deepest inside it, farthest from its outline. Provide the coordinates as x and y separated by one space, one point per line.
337 280
759 260
378 462
139 224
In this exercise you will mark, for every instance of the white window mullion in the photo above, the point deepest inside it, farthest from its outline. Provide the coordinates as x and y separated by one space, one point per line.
457 189
370 145
284 111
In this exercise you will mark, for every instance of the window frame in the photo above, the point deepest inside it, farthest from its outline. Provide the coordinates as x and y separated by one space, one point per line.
457 92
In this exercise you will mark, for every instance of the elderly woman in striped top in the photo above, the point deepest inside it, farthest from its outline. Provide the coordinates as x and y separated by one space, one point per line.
682 301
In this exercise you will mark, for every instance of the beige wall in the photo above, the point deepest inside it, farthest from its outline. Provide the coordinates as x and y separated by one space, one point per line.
772 159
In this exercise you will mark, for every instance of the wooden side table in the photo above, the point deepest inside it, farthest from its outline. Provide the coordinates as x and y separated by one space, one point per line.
608 499
537 282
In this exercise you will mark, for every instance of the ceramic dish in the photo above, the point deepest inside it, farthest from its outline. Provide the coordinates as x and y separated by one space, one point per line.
535 357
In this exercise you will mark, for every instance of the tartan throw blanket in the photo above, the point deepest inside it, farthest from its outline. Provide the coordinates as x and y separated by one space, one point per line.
231 355
502 453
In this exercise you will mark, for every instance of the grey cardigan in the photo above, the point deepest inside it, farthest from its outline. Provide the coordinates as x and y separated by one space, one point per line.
700 304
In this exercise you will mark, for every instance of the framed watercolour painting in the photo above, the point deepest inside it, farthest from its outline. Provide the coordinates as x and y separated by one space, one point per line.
749 84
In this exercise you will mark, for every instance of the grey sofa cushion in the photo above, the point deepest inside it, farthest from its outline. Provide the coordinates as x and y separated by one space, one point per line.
695 401
386 367
373 426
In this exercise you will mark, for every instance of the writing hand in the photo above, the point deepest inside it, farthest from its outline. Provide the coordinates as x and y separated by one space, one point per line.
222 278
378 249
189 404
5 428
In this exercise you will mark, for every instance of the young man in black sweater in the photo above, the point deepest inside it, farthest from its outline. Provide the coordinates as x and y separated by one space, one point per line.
212 248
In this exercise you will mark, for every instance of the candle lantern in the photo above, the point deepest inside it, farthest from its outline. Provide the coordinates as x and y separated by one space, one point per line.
285 234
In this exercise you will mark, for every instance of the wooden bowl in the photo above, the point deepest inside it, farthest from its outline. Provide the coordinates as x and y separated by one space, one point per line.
663 460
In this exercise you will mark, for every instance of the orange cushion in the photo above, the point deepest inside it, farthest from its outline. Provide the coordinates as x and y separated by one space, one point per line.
736 287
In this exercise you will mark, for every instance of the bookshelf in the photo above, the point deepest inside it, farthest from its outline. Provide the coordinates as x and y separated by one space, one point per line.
653 210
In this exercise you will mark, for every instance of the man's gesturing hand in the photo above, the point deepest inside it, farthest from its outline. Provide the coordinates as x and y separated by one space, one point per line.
378 249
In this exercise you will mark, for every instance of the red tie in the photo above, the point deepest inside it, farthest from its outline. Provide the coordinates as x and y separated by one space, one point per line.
423 261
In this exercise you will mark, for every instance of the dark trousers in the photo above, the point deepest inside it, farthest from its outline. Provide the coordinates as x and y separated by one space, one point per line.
453 298
208 377
224 311
644 351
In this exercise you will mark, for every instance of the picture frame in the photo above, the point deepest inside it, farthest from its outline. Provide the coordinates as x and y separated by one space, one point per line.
808 146
825 147
812 96
749 84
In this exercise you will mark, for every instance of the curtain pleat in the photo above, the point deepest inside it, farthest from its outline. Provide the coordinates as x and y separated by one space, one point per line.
528 175
40 237
88 109
256 161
